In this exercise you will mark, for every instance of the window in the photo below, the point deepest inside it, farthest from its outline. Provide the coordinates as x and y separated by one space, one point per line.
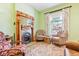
57 22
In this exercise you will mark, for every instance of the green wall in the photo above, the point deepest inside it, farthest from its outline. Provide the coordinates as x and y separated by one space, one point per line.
41 22
7 17
8 11
31 11
73 22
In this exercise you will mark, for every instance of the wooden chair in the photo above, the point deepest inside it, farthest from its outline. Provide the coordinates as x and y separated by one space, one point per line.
40 35
60 39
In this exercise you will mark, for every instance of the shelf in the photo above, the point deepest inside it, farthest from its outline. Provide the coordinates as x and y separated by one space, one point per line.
27 26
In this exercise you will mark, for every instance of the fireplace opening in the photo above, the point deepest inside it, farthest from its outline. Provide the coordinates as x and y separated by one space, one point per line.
26 38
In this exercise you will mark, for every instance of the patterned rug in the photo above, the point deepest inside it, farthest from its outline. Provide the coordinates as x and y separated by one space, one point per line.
43 49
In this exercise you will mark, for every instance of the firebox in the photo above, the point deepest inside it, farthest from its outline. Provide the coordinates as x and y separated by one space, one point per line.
26 38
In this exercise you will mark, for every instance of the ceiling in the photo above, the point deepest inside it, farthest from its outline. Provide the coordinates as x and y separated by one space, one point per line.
42 6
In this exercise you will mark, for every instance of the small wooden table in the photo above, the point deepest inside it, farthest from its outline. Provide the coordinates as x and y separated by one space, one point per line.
47 40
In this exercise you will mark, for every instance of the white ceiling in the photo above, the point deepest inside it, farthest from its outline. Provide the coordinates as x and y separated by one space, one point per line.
42 6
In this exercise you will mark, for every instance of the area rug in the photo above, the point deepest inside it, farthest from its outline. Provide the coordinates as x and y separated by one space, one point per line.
44 49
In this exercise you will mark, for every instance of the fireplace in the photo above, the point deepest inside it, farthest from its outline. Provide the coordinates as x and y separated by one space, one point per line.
24 28
26 36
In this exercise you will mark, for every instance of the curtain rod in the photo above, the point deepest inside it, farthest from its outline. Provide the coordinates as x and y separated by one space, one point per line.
58 9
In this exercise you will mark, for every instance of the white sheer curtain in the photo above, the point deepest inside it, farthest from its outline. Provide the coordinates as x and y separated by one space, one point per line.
57 21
